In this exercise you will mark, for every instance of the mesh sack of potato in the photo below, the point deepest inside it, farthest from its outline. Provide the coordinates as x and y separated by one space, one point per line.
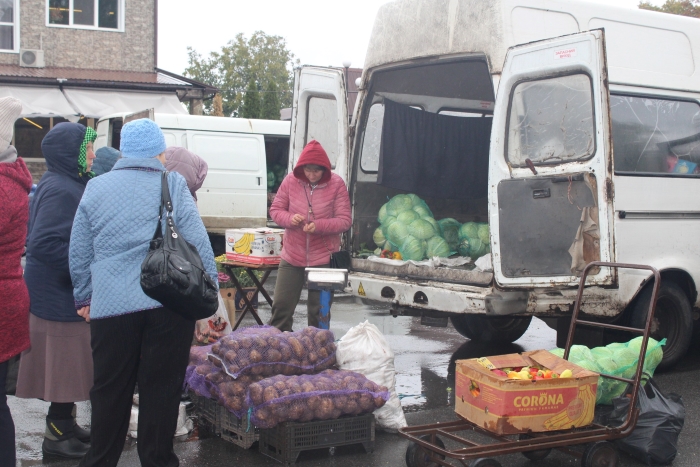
195 378
231 393
323 396
266 351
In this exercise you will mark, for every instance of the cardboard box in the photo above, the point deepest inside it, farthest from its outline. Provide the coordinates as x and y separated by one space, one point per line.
509 406
257 246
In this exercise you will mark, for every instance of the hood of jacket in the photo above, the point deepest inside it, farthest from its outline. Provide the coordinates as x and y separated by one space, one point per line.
61 149
17 172
187 164
313 153
105 158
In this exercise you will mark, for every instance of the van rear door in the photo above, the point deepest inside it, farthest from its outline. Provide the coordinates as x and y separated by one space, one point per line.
320 112
550 174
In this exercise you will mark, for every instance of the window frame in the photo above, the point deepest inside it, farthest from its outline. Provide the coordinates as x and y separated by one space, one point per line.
626 173
15 31
594 150
120 20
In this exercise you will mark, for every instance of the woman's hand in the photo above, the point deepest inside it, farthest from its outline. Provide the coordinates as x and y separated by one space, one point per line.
310 227
85 313
297 219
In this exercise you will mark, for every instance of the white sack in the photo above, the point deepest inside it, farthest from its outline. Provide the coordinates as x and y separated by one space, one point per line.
184 424
364 349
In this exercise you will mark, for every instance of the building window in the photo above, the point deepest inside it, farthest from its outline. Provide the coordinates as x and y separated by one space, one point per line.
9 18
86 14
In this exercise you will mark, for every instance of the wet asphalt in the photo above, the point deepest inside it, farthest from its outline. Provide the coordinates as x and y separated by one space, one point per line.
424 363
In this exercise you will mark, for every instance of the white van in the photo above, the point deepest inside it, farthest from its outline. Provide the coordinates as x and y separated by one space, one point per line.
239 153
582 128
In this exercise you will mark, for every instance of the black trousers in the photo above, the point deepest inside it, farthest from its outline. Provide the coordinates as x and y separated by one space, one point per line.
7 426
150 347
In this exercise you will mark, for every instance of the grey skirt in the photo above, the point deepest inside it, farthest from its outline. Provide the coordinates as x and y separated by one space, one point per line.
58 365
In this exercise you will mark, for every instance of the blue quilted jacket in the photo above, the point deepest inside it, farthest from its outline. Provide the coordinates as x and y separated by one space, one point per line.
112 230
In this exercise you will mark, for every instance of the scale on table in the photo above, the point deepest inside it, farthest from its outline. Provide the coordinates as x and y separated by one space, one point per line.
326 280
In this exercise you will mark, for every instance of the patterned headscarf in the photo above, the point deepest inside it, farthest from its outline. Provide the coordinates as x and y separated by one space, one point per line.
90 137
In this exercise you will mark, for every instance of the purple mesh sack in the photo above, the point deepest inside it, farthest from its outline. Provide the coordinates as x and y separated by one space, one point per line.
195 378
327 395
266 351
198 354
231 393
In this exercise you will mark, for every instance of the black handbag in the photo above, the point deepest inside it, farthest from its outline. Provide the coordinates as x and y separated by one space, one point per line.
173 273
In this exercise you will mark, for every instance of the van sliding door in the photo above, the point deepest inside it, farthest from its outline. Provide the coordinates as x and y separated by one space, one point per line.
550 180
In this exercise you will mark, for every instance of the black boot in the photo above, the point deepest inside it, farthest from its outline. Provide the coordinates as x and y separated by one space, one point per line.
60 440
83 434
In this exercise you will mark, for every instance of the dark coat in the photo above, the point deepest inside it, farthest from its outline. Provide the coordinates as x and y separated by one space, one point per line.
15 183
51 216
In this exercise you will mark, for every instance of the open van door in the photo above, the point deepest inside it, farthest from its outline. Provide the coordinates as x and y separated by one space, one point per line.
320 112
550 174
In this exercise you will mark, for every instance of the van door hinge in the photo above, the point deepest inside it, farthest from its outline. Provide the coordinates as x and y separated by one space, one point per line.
609 190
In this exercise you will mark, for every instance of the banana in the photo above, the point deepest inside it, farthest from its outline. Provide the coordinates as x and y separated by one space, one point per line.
242 246
562 421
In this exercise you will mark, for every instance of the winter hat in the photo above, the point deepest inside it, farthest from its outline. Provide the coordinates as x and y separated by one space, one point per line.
10 110
141 139
105 158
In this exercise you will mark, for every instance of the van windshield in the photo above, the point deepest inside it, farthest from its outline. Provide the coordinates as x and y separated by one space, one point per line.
551 121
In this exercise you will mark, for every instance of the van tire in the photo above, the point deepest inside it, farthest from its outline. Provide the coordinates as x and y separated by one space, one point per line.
496 330
672 319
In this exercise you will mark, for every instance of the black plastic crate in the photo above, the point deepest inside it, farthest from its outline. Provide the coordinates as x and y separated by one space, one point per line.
236 430
284 442
206 409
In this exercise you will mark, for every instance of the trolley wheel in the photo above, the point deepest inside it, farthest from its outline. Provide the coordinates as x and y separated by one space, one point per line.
497 330
418 456
536 455
672 320
600 454
485 462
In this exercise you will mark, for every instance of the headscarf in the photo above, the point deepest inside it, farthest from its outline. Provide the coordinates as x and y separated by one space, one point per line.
90 137
187 164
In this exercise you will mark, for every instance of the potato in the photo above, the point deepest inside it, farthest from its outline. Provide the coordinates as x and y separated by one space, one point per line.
238 388
215 361
230 356
322 337
278 368
313 358
307 386
294 387
255 356
203 369
255 391
379 402
273 355
306 416
257 369
289 370
285 393
280 385
322 353
263 414
273 342
297 347
313 402
216 348
234 369
366 403
307 343
270 393
245 342
352 407
336 413
340 401
295 363
280 411
295 411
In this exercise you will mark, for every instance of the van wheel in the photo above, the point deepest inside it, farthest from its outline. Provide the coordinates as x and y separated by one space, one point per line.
498 330
672 320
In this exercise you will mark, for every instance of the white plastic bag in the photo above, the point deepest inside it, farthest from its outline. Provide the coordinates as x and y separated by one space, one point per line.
184 424
364 349
215 327
484 263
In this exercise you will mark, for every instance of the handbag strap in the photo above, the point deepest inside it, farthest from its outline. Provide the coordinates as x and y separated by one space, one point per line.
166 205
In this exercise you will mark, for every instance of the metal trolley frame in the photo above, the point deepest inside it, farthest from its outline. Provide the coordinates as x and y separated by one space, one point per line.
427 449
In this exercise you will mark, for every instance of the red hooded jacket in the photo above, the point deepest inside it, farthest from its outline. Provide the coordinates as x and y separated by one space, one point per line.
15 183
330 204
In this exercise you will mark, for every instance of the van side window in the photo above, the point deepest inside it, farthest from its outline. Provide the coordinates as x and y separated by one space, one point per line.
655 136
323 125
372 138
551 121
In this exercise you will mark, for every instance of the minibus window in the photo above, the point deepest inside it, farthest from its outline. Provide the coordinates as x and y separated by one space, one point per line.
323 125
551 121
655 136
372 138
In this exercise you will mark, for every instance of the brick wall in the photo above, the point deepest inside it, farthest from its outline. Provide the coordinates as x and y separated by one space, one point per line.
131 50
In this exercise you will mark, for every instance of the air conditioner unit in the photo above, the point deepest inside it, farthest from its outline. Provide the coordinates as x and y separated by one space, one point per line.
31 58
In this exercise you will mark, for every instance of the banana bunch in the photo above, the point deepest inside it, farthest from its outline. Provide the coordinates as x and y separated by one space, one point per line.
242 246
563 420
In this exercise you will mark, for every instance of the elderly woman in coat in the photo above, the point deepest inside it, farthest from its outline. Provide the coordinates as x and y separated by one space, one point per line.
134 338
313 206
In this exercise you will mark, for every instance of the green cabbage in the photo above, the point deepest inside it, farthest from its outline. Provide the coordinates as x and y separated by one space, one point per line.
383 214
625 357
468 230
407 217
420 228
434 223
463 247
379 238
415 199
398 204
589 365
558 352
615 345
412 249
397 233
423 210
579 353
607 365
449 229
483 233
475 247
437 246
601 352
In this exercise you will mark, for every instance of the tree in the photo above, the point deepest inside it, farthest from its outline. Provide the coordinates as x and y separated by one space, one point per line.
271 103
251 102
676 7
262 58
217 106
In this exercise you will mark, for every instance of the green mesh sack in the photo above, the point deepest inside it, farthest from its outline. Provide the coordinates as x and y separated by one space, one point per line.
601 352
379 238
398 204
421 229
476 246
463 247
406 217
434 223
412 249
469 230
396 233
437 246
558 352
449 230
579 353
423 210
383 213
415 199
483 233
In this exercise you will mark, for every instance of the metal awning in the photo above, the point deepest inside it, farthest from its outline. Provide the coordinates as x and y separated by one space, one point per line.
41 101
98 103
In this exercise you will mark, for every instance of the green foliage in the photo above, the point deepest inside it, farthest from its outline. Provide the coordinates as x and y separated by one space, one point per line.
251 102
270 103
262 58
675 7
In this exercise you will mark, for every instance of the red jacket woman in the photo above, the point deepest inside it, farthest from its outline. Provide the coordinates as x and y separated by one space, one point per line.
313 206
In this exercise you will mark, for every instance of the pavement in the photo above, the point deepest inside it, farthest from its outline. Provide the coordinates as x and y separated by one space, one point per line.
424 363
